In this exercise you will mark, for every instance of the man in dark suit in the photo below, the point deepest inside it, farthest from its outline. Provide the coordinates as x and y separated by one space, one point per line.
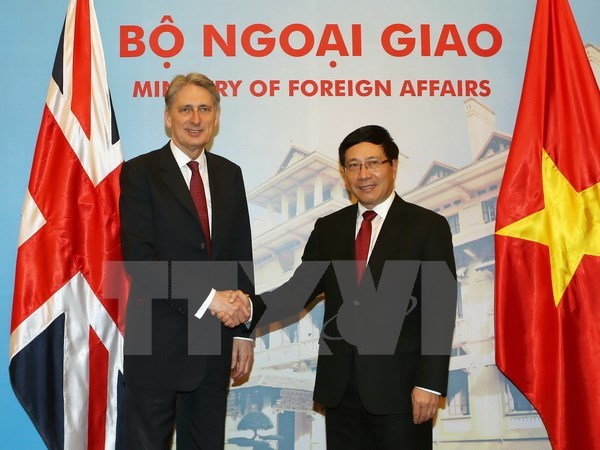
191 221
377 396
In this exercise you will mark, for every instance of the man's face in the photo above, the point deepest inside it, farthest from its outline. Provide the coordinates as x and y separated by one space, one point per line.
370 187
192 119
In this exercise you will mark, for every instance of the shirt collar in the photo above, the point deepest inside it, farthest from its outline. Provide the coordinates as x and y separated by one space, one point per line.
381 209
182 159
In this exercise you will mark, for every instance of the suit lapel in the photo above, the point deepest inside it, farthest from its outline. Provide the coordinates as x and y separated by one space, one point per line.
171 175
346 234
217 188
386 247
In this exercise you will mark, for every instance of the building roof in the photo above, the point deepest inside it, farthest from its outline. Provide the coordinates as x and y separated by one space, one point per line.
294 154
498 142
298 168
435 171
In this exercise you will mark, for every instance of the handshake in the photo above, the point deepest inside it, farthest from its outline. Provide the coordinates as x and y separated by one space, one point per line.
231 307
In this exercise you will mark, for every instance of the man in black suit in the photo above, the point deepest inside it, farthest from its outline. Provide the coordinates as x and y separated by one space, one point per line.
377 396
194 241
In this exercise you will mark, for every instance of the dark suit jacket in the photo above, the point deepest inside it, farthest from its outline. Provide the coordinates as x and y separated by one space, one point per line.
159 223
409 233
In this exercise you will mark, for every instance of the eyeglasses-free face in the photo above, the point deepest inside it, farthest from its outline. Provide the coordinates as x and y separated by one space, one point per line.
193 119
369 175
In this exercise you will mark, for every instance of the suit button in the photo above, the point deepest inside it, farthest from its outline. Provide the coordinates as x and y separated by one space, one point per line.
203 246
356 302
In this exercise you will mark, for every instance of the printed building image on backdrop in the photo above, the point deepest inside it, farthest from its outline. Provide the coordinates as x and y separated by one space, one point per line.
483 410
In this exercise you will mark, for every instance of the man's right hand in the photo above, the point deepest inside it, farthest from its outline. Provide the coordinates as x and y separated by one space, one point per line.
231 307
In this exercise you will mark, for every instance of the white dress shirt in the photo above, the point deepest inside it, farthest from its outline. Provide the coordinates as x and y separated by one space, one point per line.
377 222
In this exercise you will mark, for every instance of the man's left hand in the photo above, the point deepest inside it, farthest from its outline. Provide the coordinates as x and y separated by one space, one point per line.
241 358
425 405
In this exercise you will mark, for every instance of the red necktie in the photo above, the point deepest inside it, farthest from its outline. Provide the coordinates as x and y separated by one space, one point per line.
199 197
363 239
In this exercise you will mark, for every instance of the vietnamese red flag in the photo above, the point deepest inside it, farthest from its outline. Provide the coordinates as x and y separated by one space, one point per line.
547 291
66 341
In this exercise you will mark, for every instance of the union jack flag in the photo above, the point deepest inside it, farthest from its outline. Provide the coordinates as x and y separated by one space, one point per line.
66 336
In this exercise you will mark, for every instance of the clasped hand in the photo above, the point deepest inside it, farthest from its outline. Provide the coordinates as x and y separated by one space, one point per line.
231 307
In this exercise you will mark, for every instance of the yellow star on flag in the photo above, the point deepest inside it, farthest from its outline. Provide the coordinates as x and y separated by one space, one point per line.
569 225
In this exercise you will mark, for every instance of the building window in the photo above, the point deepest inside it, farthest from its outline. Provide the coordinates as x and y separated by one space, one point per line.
489 209
266 338
326 192
457 351
459 305
458 393
292 209
309 200
454 223
292 332
515 401
317 313
286 260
